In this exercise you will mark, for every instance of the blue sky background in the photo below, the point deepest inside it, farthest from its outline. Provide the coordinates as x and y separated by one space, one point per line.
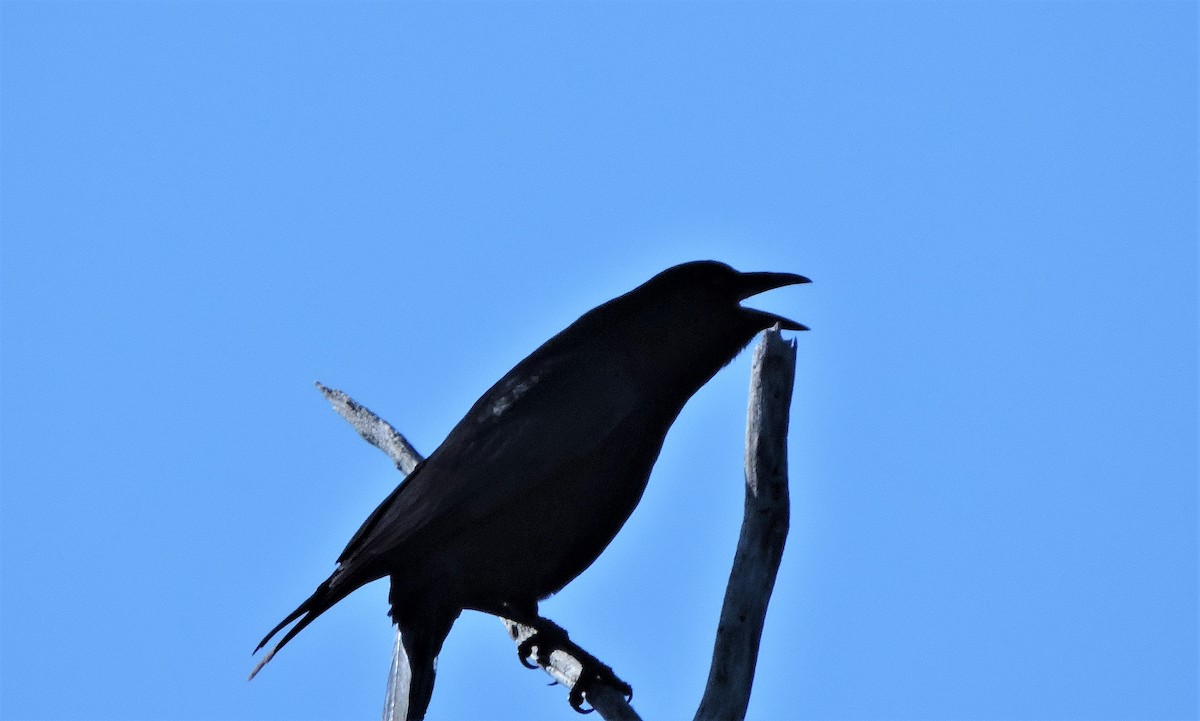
208 206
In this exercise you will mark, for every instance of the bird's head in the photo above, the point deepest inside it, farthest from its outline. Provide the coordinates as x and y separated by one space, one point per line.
713 290
690 319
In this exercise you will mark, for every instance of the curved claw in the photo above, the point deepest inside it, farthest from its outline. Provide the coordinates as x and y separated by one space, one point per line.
603 675
575 698
525 648
524 651
549 636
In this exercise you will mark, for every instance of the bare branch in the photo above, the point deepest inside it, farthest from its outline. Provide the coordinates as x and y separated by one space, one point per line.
374 429
764 531
561 666
395 703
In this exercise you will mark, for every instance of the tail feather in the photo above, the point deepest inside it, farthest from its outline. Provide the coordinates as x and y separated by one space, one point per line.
321 601
291 617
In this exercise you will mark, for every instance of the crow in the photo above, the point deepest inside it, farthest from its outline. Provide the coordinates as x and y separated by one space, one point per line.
535 481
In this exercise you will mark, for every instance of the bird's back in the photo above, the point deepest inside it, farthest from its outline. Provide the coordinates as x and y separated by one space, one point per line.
530 486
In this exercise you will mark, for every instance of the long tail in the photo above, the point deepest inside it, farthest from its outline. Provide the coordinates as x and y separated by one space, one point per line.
326 595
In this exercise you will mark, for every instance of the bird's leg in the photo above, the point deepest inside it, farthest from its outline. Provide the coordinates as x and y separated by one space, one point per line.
548 637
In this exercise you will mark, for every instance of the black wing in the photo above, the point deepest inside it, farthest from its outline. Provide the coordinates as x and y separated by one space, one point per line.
549 410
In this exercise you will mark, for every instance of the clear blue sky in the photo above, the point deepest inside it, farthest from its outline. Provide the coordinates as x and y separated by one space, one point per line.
208 206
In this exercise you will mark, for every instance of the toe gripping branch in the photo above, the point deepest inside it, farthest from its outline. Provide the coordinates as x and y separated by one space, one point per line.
548 637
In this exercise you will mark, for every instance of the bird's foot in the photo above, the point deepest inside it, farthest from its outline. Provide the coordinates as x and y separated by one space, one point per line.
548 637
592 674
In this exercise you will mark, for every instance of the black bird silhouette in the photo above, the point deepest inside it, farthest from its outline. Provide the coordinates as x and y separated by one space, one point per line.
544 469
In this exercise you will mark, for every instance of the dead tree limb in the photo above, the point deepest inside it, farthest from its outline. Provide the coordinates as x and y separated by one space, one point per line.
764 531
756 561
374 430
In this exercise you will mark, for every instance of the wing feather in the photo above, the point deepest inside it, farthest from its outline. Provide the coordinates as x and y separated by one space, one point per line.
510 440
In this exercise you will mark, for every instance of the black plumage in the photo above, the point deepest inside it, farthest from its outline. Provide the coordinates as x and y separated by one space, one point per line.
544 469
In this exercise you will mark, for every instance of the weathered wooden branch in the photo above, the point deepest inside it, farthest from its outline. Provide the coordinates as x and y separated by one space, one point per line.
764 531
374 430
756 561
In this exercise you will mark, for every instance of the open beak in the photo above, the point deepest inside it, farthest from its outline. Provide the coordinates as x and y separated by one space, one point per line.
754 283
